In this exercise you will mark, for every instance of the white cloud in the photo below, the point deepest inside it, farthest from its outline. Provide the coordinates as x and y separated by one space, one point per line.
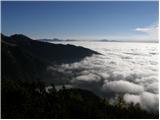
122 86
150 101
124 68
153 87
147 100
143 29
150 31
89 77
132 98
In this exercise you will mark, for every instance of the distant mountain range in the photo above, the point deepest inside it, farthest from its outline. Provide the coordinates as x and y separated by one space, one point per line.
27 59
67 40
56 40
102 40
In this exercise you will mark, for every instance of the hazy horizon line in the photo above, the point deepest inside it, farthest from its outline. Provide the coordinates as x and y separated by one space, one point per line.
83 39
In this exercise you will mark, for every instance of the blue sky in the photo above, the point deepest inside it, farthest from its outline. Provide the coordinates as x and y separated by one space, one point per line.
82 20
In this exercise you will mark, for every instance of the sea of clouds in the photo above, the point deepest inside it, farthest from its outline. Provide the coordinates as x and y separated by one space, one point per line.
128 69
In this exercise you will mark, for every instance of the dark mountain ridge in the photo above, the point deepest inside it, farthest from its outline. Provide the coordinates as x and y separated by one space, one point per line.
48 51
27 59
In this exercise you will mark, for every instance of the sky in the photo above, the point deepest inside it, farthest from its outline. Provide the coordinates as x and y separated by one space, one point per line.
83 20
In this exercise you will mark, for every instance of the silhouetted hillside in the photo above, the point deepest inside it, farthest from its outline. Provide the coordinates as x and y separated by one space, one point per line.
30 100
19 64
50 52
27 59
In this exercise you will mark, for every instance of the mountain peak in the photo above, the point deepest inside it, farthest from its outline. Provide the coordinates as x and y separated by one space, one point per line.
20 37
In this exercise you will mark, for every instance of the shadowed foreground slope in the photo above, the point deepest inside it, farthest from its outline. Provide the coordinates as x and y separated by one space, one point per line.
30 100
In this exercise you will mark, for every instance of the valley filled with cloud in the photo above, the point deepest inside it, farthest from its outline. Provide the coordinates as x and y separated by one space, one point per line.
127 69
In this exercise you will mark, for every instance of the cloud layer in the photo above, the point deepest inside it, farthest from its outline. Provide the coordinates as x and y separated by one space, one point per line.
129 69
122 86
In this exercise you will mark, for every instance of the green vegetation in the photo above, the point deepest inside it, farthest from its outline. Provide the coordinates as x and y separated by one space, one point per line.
31 100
